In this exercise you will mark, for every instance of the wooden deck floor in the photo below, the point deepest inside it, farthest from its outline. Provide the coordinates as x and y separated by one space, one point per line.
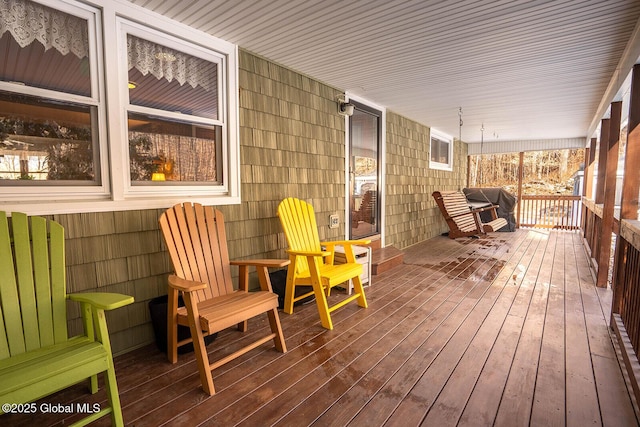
507 330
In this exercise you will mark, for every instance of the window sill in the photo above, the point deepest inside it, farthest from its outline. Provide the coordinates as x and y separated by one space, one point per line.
49 207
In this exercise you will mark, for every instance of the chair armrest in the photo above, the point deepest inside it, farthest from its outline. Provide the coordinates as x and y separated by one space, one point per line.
102 300
309 253
486 208
347 242
262 268
185 285
269 263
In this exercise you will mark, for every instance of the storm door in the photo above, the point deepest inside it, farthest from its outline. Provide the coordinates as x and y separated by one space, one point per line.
364 171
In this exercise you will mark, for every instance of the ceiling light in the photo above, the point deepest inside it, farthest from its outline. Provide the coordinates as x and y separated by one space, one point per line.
345 108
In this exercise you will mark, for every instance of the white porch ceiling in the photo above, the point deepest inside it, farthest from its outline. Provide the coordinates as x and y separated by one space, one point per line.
527 70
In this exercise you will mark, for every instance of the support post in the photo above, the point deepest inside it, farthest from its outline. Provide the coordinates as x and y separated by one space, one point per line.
587 188
602 161
590 158
611 168
520 177
631 180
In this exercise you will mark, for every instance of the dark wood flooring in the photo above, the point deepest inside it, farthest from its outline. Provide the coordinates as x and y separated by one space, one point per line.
506 330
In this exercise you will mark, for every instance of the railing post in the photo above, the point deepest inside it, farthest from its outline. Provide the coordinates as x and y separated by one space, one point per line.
609 192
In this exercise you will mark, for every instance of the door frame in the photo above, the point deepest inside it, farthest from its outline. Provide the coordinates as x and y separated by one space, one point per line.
382 165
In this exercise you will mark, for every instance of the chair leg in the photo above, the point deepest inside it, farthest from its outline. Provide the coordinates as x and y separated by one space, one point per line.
172 325
357 285
93 384
290 289
112 396
111 386
276 328
323 306
200 350
318 289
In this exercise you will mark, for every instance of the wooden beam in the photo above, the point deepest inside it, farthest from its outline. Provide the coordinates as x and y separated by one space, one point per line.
631 181
586 177
590 158
602 161
611 168
585 174
520 177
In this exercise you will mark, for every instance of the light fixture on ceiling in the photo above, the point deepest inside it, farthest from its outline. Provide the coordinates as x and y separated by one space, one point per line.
345 108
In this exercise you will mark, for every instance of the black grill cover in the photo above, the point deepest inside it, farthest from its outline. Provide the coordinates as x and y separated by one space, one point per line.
497 196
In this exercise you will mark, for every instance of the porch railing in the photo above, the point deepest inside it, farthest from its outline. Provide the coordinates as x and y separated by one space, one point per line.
627 270
625 279
551 211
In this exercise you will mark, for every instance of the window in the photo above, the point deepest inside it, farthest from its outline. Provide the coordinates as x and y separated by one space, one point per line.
441 151
177 122
113 114
175 125
50 112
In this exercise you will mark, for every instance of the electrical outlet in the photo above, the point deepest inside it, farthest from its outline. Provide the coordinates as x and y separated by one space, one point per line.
334 221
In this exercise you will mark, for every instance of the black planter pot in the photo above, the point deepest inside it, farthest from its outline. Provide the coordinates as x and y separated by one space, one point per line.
158 309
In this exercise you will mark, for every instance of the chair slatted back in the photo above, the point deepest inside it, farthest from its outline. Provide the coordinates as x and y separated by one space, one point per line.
455 203
197 244
298 221
32 284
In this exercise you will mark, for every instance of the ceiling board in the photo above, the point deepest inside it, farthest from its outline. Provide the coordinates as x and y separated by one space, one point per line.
527 70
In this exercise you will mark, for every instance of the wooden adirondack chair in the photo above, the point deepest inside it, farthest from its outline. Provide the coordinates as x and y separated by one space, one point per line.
461 219
37 358
197 244
313 265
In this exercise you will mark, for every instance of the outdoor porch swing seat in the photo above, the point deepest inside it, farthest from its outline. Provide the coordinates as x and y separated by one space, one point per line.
197 245
312 261
461 219
37 358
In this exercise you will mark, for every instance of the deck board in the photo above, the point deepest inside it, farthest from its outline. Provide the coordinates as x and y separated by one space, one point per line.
505 330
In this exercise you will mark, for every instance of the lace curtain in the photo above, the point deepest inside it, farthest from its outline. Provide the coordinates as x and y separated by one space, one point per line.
27 21
162 62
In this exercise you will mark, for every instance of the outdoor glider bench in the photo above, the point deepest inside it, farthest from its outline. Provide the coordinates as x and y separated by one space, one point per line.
461 219
37 358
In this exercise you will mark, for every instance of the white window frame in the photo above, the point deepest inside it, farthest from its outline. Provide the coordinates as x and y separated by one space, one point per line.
116 192
25 194
125 28
433 133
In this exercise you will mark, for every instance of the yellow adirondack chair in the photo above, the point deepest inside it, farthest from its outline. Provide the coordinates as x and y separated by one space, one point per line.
37 358
197 244
313 265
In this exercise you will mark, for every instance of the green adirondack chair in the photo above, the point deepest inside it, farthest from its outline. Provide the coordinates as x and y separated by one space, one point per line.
37 358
